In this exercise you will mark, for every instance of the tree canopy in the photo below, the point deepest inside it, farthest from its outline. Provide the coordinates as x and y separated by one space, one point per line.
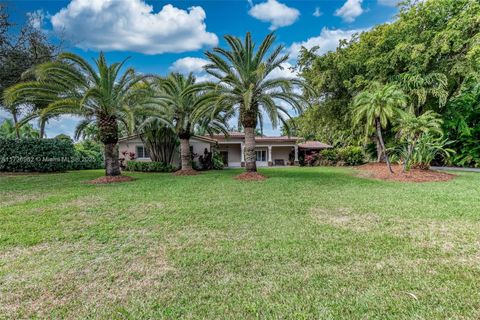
431 51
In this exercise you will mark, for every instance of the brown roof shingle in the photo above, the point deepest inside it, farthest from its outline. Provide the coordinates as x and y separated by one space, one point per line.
314 145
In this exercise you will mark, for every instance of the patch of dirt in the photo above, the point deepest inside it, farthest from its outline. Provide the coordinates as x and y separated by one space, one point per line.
115 179
345 218
380 171
251 176
186 172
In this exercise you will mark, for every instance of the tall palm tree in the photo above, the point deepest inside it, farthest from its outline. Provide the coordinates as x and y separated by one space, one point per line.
184 105
245 84
377 106
411 128
99 92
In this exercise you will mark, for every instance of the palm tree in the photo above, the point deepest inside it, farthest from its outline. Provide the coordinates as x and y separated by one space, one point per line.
245 84
411 128
99 92
184 105
8 129
376 107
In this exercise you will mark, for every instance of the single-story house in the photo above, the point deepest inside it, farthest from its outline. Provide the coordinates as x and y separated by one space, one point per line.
270 150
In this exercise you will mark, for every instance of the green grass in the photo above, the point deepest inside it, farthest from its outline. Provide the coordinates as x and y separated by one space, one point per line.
306 243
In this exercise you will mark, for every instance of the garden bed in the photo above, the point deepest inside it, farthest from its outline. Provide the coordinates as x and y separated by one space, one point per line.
188 172
380 171
251 176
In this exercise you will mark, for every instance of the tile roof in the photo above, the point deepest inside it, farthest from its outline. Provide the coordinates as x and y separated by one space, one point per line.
314 145
239 135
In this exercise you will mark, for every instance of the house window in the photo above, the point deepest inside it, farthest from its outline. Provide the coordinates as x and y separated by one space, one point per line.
142 152
261 155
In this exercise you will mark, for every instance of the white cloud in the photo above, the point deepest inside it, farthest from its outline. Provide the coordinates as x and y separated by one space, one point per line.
193 65
350 10
278 14
327 41
285 72
391 3
189 64
132 25
317 13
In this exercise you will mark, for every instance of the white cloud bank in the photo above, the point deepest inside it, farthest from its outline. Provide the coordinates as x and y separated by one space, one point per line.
278 14
131 25
350 10
189 64
328 40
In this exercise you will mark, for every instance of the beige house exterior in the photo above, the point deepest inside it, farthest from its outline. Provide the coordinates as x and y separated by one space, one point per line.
270 151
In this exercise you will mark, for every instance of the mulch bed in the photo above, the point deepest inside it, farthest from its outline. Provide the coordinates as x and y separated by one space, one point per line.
187 172
380 171
251 176
106 180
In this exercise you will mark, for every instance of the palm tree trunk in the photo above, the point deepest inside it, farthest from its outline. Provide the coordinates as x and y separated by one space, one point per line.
380 138
112 165
250 157
42 127
411 147
108 132
379 149
185 157
15 123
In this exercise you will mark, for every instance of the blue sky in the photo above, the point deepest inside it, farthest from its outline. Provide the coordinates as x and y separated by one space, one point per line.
161 36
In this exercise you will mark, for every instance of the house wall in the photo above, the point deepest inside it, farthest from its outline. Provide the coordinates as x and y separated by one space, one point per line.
282 153
279 151
234 154
130 145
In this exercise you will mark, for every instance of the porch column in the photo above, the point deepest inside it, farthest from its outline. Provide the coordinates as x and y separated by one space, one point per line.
270 163
242 154
296 155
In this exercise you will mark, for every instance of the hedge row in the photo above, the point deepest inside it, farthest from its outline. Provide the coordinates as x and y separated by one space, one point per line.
347 156
44 155
149 166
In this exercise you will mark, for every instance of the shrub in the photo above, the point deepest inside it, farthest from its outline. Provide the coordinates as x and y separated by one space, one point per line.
149 166
311 159
351 156
88 155
86 160
36 155
328 157
217 160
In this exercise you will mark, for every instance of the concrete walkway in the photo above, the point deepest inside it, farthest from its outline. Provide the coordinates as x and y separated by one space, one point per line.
456 169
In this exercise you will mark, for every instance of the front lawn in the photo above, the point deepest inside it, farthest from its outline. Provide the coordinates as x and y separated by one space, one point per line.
306 243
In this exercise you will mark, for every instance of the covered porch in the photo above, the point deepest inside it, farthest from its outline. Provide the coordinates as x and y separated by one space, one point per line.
267 155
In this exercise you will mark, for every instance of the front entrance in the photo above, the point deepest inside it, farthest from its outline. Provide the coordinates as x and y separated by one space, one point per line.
224 155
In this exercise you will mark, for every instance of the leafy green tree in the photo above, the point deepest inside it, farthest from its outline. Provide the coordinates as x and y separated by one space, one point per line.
462 125
160 139
430 51
99 92
410 129
9 130
184 105
377 107
245 84
22 48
